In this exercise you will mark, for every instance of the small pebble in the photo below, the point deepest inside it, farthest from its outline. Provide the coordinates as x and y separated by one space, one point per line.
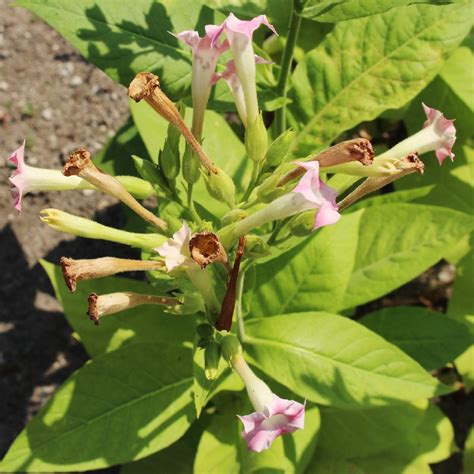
47 114
75 81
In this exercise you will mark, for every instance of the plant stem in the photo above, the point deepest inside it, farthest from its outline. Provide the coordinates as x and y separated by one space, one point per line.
285 66
191 207
252 182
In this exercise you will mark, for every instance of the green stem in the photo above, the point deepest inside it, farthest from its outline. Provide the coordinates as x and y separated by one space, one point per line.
278 226
253 181
191 207
240 317
285 66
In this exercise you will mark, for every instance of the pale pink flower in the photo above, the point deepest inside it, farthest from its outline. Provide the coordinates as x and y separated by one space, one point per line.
438 134
176 250
273 416
239 33
25 179
235 86
206 52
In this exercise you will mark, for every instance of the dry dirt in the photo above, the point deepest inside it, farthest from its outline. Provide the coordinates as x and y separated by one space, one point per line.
50 96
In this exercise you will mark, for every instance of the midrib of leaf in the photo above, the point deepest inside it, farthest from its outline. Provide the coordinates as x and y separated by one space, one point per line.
316 118
183 53
107 413
303 351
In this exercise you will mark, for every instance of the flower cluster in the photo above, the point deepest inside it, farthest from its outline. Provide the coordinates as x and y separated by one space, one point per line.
283 196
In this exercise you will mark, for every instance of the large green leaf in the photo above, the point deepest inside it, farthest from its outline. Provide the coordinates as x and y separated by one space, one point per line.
341 10
335 361
222 449
127 37
366 432
397 242
432 441
369 65
121 406
147 323
311 276
431 338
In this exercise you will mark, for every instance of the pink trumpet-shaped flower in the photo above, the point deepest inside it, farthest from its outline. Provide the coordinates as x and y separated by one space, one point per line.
273 416
235 86
443 129
239 33
438 134
176 250
25 179
206 52
317 193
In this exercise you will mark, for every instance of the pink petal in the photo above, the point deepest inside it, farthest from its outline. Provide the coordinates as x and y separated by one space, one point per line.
327 214
258 441
17 182
252 421
308 165
308 186
189 37
246 27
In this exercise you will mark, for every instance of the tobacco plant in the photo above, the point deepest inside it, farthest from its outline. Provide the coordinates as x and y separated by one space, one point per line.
295 166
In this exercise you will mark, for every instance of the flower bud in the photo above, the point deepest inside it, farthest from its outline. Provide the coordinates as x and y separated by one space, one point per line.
212 355
278 151
256 247
221 187
204 330
256 140
269 190
191 166
233 215
302 224
169 161
230 347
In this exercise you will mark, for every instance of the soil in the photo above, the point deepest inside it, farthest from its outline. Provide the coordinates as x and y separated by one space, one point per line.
57 101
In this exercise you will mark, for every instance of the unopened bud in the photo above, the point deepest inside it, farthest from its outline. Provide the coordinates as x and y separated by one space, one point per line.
269 190
205 330
103 305
256 140
230 347
191 166
233 215
169 161
206 248
302 224
221 187
256 247
212 355
278 151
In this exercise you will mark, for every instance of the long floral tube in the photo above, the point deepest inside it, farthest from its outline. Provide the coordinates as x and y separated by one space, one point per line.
82 227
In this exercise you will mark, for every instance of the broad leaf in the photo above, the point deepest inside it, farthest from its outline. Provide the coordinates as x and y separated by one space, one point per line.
390 253
222 448
124 38
141 394
311 276
431 442
148 323
431 338
340 10
369 65
335 361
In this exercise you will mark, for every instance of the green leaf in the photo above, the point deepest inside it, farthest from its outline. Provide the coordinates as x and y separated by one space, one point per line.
177 458
222 448
431 338
458 73
335 361
148 323
391 253
126 38
366 432
311 276
431 442
332 11
366 66
121 406
408 195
